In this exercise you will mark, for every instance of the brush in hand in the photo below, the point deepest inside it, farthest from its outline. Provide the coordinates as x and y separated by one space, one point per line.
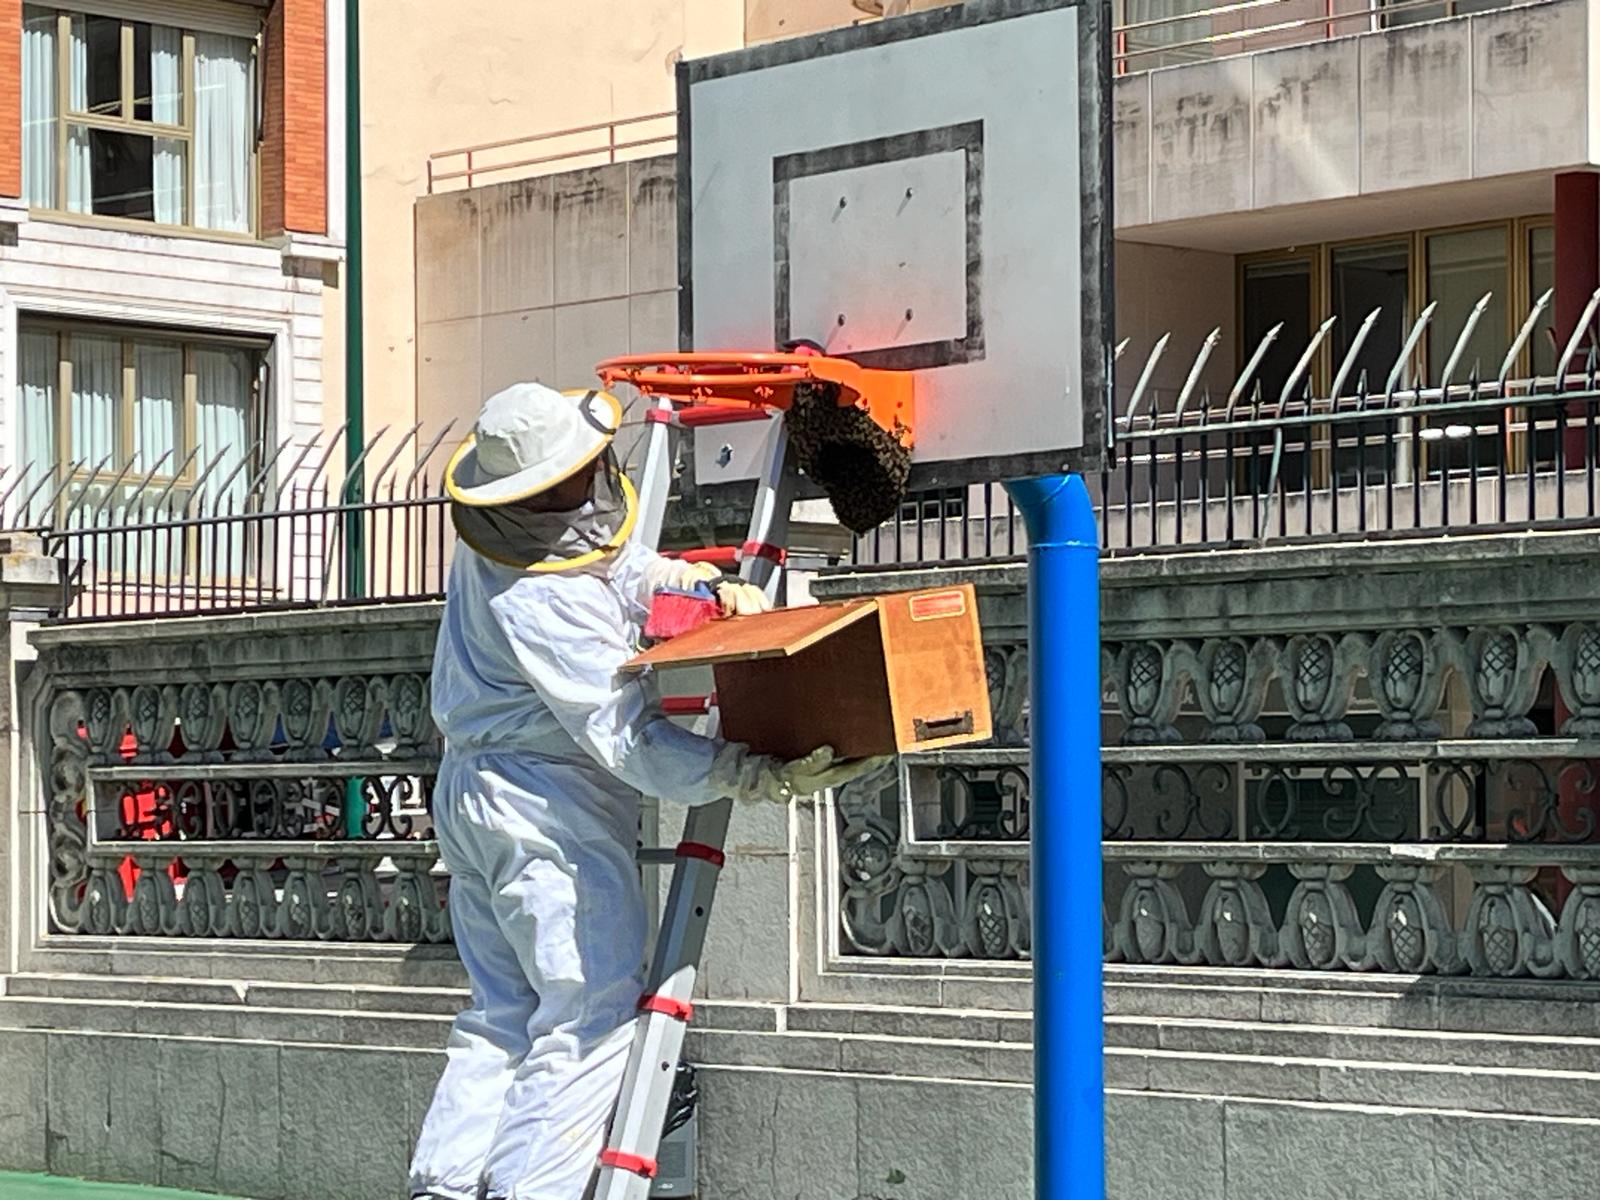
678 610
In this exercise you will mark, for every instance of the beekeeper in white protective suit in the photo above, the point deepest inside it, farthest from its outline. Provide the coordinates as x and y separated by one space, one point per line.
547 750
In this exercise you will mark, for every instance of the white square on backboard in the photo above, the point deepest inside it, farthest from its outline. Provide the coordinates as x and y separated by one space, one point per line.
877 254
990 115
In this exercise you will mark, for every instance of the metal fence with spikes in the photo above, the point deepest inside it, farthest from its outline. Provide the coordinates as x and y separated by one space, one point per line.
1361 458
269 531
1376 453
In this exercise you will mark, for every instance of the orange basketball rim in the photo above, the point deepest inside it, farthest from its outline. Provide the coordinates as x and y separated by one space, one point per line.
707 384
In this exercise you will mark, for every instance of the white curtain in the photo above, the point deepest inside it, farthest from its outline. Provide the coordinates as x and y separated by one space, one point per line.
80 195
39 374
224 130
166 95
157 403
39 110
223 379
96 396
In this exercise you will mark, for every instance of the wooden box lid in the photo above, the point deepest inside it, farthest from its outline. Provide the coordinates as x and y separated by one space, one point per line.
781 633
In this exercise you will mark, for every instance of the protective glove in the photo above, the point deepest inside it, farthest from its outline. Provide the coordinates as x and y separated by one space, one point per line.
751 777
737 598
741 599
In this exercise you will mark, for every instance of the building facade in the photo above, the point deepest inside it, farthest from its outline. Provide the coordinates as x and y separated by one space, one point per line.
167 251
1351 677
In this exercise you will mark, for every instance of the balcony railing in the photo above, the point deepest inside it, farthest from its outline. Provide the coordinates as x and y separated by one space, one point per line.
1163 33
562 149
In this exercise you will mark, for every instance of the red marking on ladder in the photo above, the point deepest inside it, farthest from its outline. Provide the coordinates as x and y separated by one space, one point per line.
764 550
702 851
623 1161
719 414
681 1010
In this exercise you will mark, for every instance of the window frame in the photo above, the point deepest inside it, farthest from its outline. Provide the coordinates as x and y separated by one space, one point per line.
1517 291
130 337
125 123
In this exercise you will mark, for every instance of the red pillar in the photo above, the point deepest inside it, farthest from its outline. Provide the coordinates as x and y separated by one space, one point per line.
1577 272
1577 229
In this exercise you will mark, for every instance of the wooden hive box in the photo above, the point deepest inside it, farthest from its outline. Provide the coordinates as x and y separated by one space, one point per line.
877 675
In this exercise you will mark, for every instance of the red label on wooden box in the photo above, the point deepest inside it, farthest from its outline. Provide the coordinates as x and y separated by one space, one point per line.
932 606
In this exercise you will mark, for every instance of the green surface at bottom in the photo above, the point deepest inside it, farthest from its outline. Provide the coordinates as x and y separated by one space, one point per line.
48 1187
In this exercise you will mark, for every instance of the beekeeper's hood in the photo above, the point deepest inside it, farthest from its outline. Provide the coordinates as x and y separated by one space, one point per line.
527 440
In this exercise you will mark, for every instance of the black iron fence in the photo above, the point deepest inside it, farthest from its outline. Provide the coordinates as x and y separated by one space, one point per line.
1478 458
1275 461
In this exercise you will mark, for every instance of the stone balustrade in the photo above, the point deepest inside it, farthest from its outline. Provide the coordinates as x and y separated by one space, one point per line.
256 777
1373 757
1337 757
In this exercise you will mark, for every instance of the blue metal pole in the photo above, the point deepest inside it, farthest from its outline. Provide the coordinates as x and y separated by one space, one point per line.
1064 721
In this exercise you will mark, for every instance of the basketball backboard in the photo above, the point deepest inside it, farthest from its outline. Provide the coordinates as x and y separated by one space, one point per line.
930 192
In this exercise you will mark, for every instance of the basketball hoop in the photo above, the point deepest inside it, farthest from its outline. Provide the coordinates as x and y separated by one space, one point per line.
850 426
767 379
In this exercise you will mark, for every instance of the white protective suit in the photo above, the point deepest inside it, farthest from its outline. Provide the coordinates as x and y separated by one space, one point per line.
536 810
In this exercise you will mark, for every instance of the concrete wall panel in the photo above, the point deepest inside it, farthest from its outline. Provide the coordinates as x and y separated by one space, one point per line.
516 347
1307 143
447 257
517 247
540 279
449 371
653 225
1529 70
1416 93
1130 148
591 234
1200 139
1496 97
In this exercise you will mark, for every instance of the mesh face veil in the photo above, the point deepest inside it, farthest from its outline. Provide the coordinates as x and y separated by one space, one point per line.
517 535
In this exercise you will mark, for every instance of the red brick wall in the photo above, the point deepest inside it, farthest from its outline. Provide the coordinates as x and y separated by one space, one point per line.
294 147
10 97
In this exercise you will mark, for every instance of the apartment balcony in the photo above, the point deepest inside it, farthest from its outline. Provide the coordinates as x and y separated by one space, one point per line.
1254 125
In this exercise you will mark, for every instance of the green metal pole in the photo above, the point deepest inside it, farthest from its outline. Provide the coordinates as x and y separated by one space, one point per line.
354 375
354 356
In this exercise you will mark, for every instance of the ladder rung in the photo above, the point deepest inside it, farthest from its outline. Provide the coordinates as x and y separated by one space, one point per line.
696 415
721 556
658 856
709 415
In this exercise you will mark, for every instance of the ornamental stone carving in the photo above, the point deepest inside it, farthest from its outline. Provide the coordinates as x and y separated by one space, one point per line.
1406 673
1503 666
1231 676
1149 690
1577 664
1318 676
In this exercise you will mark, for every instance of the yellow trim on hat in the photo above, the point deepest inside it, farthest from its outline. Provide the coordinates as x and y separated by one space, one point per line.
630 501
462 498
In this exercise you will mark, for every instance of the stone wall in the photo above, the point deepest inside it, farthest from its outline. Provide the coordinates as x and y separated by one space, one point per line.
840 1058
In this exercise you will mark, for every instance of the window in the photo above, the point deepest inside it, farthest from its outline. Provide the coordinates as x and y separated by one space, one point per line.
1464 266
1155 33
1510 261
1275 291
1362 278
125 119
101 404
